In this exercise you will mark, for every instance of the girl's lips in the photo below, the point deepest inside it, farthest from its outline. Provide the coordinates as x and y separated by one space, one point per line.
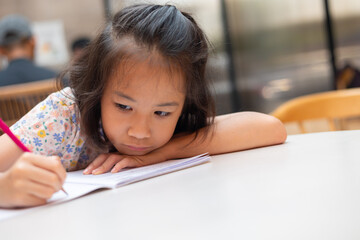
137 148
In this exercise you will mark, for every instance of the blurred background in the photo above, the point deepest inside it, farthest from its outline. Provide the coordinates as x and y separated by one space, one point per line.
264 52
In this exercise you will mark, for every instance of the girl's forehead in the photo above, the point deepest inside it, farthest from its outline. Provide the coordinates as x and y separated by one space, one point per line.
153 70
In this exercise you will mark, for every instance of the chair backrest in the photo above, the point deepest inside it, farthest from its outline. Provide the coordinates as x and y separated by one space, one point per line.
332 105
16 100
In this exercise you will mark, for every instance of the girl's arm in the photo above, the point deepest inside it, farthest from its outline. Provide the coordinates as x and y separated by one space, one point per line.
231 132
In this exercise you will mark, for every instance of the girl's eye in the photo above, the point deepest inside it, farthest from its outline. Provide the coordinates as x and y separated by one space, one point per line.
123 107
162 114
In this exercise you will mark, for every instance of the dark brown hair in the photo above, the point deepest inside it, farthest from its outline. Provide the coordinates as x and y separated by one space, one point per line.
163 28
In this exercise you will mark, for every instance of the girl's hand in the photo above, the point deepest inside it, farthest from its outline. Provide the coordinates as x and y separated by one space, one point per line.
115 162
31 180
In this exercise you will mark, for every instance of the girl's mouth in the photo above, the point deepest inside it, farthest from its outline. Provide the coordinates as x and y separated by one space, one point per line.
137 148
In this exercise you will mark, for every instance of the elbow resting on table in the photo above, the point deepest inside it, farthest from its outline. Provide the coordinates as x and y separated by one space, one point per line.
280 133
247 130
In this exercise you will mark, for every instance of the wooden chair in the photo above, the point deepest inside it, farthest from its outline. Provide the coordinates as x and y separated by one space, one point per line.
16 100
334 106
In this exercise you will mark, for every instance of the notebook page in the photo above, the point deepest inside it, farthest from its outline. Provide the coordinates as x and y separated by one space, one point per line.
126 176
77 184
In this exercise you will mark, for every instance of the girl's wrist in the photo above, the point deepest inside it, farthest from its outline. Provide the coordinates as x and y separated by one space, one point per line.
174 149
166 152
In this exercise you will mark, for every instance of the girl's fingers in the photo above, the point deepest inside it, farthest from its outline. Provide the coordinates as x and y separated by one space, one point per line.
39 190
44 177
127 162
108 164
59 169
32 200
52 164
26 192
120 165
96 163
33 179
29 200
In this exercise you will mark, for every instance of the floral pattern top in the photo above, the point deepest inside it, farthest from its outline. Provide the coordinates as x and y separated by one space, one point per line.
52 128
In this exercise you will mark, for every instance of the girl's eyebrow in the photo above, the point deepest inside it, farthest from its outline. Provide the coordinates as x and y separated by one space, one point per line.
124 96
166 104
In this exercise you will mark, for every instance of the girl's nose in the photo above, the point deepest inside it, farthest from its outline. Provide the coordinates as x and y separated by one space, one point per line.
139 130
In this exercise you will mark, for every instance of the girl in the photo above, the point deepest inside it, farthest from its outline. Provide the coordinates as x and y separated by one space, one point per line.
137 96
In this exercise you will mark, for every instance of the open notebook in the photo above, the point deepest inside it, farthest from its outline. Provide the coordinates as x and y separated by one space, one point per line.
77 184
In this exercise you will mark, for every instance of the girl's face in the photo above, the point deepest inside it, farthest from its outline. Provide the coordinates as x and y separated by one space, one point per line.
140 109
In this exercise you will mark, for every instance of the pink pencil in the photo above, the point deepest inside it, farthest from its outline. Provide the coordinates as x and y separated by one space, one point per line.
7 130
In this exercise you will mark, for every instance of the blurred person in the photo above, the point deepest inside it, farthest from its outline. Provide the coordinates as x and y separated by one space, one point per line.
78 46
17 45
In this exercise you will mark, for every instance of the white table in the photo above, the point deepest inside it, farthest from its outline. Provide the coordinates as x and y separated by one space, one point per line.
307 188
